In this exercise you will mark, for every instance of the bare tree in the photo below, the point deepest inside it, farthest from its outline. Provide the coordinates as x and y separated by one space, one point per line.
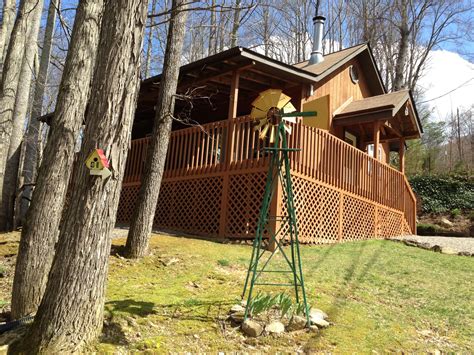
14 91
40 231
6 29
142 221
71 312
34 126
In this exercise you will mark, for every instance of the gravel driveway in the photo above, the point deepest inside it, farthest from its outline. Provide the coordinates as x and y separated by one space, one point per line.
445 245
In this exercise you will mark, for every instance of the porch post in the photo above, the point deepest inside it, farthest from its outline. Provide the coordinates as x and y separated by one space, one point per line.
228 148
376 139
375 174
401 154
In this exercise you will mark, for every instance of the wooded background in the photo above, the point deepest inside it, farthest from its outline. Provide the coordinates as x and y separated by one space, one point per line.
84 61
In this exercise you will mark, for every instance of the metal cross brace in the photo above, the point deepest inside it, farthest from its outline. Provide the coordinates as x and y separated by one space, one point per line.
279 171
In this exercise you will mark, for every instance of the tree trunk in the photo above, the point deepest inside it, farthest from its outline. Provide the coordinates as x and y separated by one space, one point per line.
6 29
71 312
212 30
10 179
142 221
402 56
34 126
235 24
40 230
28 17
149 41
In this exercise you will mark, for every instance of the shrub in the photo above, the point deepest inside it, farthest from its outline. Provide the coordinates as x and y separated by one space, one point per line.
444 193
263 302
455 212
223 262
471 216
426 229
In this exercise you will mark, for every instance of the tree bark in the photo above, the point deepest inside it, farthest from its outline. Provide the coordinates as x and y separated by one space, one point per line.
28 16
6 29
235 24
142 221
10 180
71 312
402 56
39 233
34 126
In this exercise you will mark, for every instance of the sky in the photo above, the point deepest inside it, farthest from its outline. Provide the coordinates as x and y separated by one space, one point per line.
448 83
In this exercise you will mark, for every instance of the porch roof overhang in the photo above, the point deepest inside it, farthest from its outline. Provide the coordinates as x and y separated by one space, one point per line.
395 110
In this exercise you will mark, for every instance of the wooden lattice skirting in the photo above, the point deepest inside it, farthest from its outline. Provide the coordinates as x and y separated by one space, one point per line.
325 214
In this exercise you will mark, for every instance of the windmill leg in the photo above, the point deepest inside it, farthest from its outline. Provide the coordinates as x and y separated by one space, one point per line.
250 266
258 237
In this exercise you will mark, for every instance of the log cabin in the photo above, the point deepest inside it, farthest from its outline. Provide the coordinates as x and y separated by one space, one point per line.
345 187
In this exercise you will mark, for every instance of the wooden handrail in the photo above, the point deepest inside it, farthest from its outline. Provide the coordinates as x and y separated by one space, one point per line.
323 157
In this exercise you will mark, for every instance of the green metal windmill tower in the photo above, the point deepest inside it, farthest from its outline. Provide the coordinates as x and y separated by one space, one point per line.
273 109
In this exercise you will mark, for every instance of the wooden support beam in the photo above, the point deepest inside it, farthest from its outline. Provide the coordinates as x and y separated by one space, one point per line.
401 155
376 136
234 95
228 150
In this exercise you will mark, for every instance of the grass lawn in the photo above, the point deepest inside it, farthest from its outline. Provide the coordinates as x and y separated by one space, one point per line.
379 295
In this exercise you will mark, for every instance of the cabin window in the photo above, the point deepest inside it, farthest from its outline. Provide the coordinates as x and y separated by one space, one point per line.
354 74
350 138
370 151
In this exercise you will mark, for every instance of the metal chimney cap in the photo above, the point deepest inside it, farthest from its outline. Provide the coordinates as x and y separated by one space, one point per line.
319 17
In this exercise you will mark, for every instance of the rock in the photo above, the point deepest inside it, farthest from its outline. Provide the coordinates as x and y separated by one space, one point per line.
275 327
314 328
237 317
252 328
170 261
448 251
446 222
296 323
237 308
314 312
319 321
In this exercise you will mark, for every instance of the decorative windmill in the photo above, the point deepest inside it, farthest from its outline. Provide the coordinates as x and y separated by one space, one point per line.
272 110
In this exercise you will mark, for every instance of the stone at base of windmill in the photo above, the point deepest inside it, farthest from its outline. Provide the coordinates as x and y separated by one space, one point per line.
319 321
237 308
275 327
252 328
315 312
296 323
237 317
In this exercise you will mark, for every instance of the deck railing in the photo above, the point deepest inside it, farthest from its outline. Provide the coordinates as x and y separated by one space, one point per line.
323 157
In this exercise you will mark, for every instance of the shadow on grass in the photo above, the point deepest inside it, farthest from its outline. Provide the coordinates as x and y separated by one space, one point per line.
351 282
113 331
130 306
117 250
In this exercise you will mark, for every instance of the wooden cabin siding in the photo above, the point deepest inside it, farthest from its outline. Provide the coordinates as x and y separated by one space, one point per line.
340 88
213 186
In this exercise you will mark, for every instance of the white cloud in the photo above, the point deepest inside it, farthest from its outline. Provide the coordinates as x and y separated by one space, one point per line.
445 72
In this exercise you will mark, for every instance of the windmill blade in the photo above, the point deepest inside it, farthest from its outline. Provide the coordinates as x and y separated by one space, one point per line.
260 104
283 101
289 107
290 119
271 97
264 131
260 124
272 134
257 114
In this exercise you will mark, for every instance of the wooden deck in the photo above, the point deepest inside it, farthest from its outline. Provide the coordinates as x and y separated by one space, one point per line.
215 189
